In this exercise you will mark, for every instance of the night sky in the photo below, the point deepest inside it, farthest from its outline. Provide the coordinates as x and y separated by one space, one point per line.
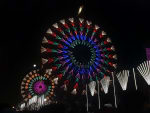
24 23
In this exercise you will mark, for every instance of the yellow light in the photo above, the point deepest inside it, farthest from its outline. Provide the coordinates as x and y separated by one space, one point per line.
80 9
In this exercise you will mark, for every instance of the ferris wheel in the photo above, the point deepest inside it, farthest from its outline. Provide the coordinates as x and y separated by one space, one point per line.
33 84
78 51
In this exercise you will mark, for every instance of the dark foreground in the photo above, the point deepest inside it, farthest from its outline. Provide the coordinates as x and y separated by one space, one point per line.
60 108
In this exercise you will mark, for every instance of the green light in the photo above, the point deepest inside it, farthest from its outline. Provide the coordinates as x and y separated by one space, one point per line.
37 78
49 87
104 49
101 73
68 30
57 37
43 78
106 62
81 28
76 42
55 43
82 42
106 56
87 30
58 65
33 80
77 79
75 29
91 79
63 72
56 59
93 34
96 78
32 94
104 68
63 32
53 50
79 41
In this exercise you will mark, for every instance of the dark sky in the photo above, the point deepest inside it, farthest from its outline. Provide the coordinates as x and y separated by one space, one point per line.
24 23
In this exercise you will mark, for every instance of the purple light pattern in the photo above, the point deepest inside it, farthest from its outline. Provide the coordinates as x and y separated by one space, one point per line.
40 87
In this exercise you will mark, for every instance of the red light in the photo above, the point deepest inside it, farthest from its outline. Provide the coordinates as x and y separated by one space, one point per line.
111 64
100 35
60 76
50 42
88 26
60 46
110 56
104 76
54 68
80 24
72 24
105 42
66 26
49 50
94 30
66 82
50 60
109 49
75 86
54 35
59 29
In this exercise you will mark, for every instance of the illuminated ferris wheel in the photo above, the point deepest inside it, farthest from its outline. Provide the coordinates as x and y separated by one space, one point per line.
33 84
78 52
